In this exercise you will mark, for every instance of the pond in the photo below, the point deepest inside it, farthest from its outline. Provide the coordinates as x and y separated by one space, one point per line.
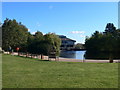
73 54
88 55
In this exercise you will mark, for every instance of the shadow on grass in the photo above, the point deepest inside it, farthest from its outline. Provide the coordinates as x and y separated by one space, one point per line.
36 59
42 60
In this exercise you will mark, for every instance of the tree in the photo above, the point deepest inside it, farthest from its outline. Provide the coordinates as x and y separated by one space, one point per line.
38 42
34 42
79 46
38 36
14 34
107 42
53 43
110 28
43 44
94 42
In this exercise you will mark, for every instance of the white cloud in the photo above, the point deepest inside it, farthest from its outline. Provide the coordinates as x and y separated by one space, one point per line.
77 32
43 33
28 29
82 36
33 32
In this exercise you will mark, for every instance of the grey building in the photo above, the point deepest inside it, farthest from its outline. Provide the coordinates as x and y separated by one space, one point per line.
66 43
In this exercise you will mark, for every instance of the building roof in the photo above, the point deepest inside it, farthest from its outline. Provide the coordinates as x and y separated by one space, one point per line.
65 38
62 36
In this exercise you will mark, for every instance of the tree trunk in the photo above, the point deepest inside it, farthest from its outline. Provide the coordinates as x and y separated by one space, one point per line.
42 56
111 61
111 58
18 54
26 54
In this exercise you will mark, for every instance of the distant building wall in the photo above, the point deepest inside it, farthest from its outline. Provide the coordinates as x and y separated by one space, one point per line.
66 43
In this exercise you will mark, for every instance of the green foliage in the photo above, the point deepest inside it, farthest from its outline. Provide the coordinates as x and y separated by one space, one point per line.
14 34
79 46
92 42
43 44
108 41
38 36
35 43
53 43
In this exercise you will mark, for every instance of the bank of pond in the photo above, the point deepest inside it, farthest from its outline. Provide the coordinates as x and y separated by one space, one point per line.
89 55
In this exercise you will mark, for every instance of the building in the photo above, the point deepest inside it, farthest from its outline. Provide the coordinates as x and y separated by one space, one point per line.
66 43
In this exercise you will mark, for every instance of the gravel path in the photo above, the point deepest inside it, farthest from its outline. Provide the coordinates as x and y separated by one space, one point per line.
87 60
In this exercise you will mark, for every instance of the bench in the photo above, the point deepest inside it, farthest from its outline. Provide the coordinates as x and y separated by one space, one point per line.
53 55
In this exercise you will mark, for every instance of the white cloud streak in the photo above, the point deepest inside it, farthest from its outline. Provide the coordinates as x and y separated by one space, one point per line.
77 32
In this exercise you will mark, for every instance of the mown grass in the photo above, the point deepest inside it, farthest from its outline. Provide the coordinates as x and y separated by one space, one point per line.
20 72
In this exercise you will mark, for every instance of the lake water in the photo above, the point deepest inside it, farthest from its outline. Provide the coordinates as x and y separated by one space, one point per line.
72 54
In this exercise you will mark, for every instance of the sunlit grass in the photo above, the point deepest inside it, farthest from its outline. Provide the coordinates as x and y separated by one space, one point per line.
19 72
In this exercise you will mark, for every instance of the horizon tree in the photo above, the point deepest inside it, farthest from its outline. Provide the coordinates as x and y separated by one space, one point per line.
107 42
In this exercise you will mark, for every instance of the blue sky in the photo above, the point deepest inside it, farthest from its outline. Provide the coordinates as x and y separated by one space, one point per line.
72 19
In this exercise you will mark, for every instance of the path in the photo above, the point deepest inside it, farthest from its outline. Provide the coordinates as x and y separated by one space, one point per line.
74 60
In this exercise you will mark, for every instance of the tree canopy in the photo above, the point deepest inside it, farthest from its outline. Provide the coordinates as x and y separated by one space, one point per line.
16 35
107 42
53 42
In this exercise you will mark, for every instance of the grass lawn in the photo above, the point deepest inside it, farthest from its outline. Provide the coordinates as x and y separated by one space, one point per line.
20 72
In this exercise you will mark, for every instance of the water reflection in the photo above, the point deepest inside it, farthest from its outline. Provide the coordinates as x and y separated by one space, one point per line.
88 55
72 54
101 55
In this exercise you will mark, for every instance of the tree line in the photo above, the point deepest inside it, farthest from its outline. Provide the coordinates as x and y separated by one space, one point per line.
15 34
107 43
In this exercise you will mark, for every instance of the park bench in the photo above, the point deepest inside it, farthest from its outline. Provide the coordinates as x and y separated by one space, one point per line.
52 55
